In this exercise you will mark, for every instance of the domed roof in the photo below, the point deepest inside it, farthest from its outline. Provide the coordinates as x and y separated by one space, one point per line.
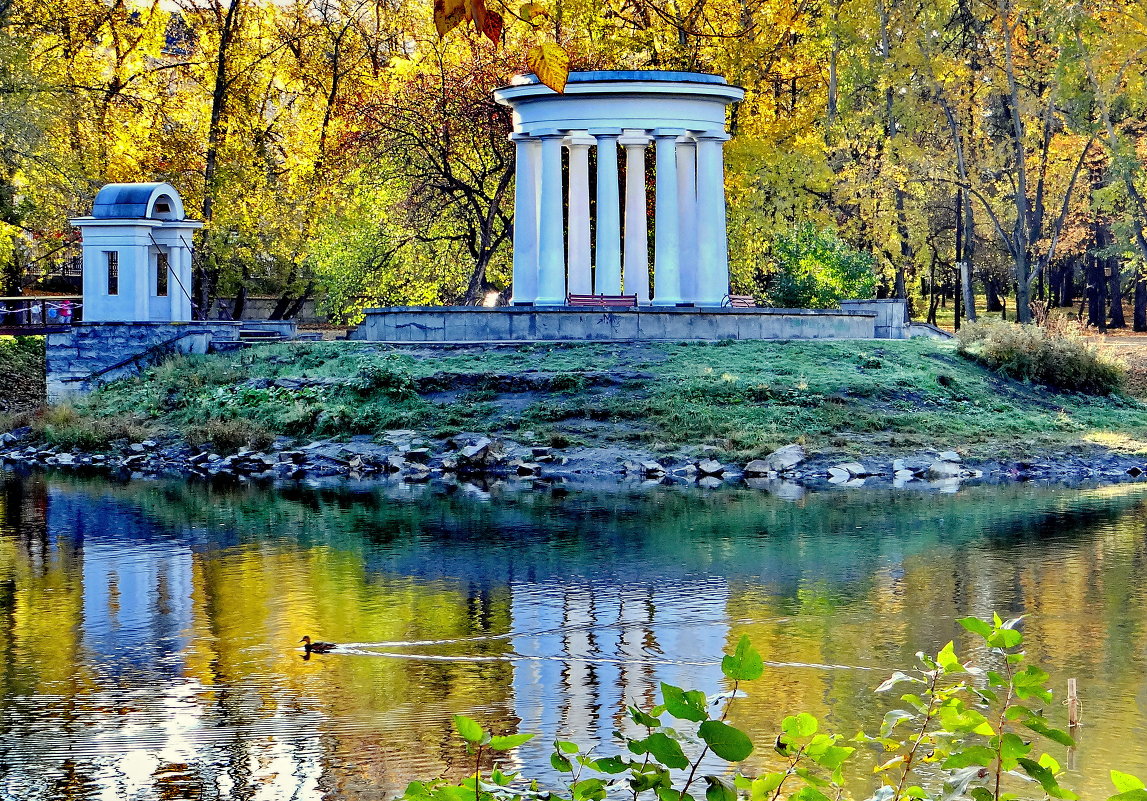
157 201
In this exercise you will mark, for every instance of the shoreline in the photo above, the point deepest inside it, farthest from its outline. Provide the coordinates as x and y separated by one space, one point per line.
406 457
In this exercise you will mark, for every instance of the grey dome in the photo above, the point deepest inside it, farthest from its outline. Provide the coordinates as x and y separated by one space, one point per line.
138 201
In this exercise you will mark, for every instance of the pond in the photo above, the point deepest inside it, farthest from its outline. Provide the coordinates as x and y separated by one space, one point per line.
150 630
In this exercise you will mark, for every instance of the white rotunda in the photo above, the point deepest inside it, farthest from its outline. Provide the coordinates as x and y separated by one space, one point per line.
682 114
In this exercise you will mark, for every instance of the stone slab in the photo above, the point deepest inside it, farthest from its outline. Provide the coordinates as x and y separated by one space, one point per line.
520 324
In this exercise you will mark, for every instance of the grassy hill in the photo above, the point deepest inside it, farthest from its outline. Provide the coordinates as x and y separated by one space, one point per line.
745 398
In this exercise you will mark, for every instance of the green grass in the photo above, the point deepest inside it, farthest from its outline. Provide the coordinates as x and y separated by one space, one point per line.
746 398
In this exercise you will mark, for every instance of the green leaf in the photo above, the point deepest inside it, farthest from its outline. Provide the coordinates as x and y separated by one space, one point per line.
566 747
560 763
727 742
973 755
719 789
1130 795
765 785
807 793
834 756
588 790
643 718
1046 779
947 659
611 765
1125 782
663 748
1005 638
1039 727
415 790
453 792
684 704
798 726
507 741
1011 749
893 719
976 626
469 730
744 664
981 794
897 678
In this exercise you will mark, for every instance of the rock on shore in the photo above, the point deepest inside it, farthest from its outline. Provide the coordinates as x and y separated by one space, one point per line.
407 456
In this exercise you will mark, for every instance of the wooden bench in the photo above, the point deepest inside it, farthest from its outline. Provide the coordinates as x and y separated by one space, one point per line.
603 301
740 301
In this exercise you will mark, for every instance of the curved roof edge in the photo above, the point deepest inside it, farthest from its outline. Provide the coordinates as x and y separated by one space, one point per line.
592 76
138 201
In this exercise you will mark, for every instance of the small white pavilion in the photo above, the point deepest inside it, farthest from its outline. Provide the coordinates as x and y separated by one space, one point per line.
683 115
137 255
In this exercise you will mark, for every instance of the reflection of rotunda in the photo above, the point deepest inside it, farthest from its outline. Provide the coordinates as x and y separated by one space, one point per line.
683 115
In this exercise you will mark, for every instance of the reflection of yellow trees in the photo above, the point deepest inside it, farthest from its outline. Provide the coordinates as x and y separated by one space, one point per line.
1087 618
41 599
254 602
854 581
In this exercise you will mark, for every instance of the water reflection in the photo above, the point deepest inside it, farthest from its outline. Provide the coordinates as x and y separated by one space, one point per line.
149 635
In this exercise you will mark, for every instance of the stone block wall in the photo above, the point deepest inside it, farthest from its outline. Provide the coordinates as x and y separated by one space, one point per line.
526 324
891 315
80 358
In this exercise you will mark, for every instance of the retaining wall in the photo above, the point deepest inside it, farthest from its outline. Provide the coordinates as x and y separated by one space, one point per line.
78 358
524 324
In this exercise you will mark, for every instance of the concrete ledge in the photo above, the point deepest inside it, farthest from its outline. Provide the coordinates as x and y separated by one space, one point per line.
442 324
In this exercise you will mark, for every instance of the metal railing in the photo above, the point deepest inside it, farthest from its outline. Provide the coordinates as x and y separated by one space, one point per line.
38 313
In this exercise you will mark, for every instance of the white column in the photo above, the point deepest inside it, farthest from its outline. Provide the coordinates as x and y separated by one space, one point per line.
527 155
636 265
687 213
712 239
578 240
185 278
139 277
666 221
174 290
551 241
607 258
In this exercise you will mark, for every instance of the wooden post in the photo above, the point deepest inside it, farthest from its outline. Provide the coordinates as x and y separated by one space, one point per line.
1072 704
1073 708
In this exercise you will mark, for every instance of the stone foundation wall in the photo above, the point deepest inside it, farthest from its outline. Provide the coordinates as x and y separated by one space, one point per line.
524 324
891 315
78 358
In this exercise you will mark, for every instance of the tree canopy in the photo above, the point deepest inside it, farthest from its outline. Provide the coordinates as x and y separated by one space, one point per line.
350 150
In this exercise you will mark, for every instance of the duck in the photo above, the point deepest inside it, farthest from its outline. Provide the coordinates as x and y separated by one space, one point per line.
317 647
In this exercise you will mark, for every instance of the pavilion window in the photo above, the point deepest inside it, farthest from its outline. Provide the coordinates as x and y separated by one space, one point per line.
162 268
112 259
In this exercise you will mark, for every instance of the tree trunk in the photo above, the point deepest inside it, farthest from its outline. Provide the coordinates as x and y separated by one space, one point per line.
210 279
240 306
1139 322
1067 285
1115 293
993 304
1096 286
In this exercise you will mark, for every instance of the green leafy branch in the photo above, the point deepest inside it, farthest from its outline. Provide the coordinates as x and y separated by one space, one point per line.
961 732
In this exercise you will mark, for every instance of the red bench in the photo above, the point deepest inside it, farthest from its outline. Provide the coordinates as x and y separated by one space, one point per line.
740 301
603 301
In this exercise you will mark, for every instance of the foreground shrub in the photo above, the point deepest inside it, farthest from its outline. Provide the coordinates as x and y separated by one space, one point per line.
961 731
21 374
816 269
389 376
1061 361
68 427
228 435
